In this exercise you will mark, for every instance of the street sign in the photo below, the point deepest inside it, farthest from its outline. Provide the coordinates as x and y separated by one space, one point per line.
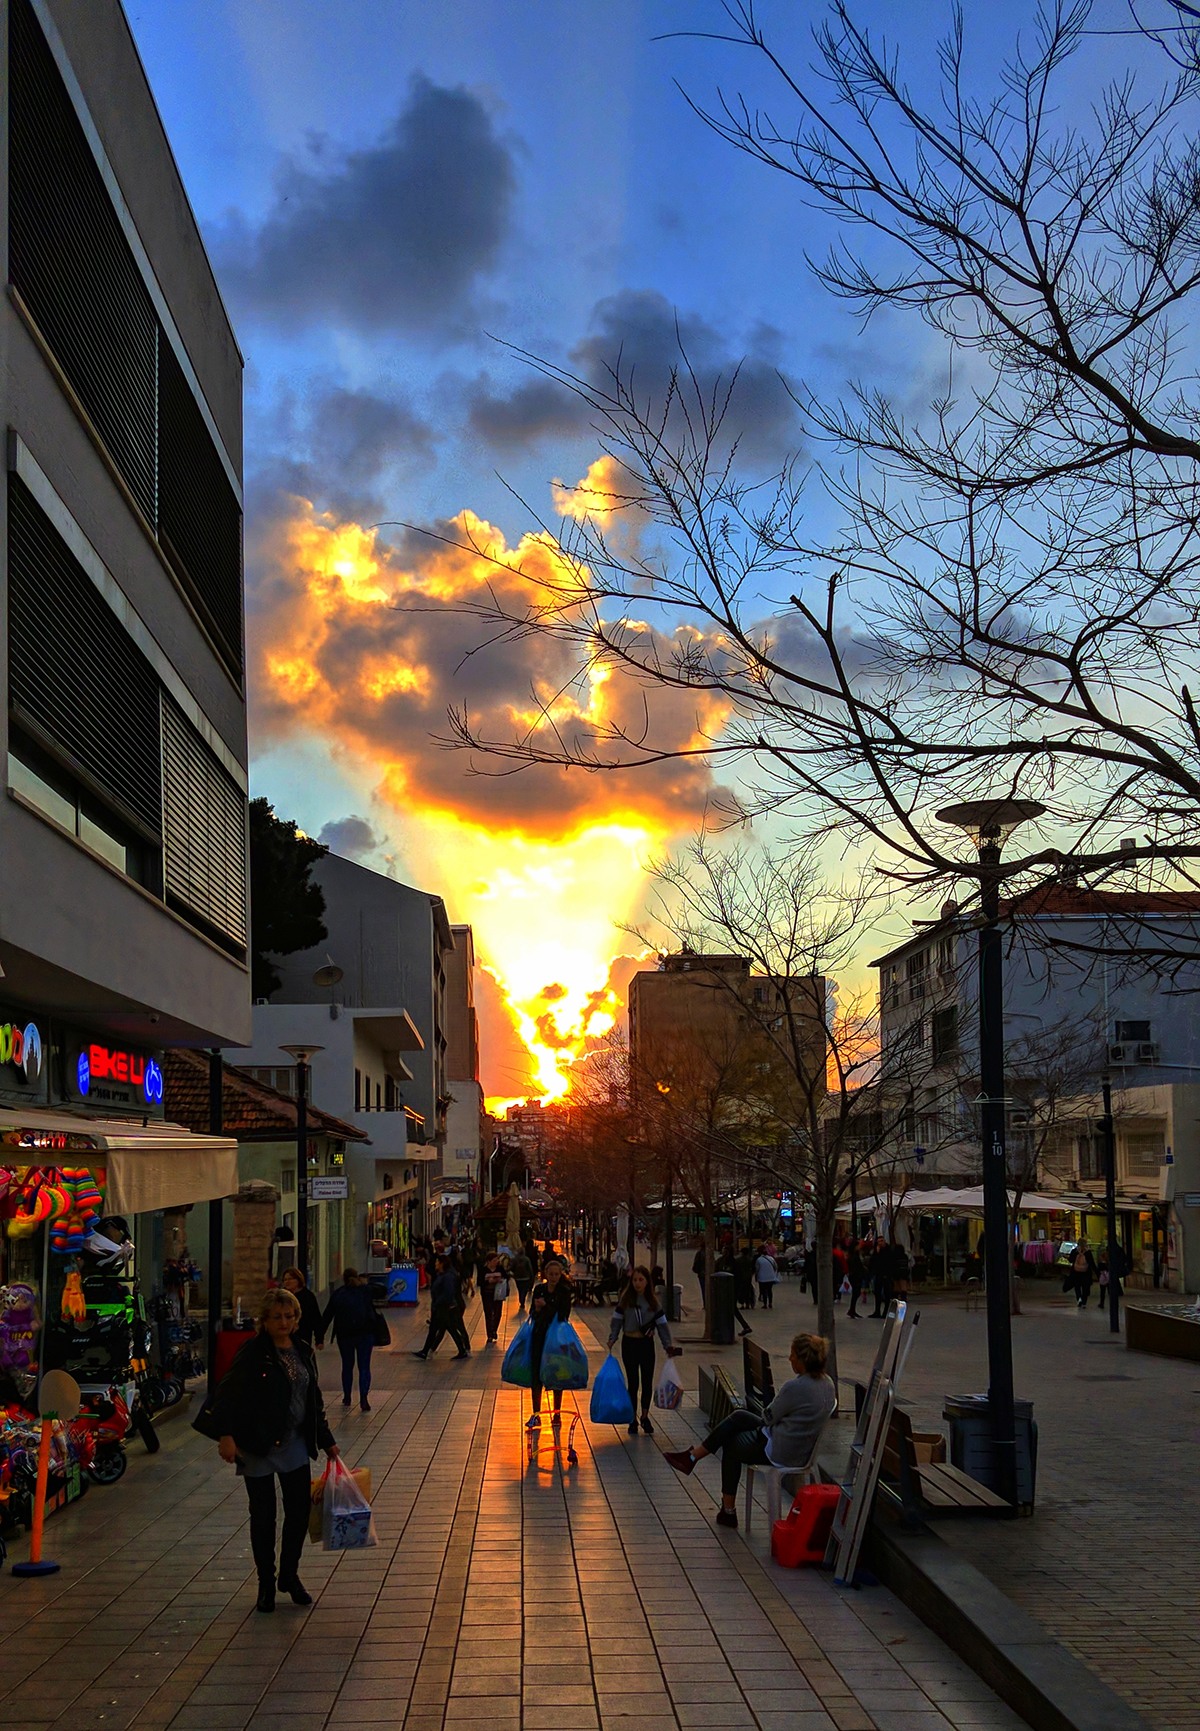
330 1187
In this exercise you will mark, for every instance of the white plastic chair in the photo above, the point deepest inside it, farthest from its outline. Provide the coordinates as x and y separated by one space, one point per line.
807 1475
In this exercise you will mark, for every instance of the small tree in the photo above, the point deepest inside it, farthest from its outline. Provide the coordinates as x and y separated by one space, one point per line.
286 907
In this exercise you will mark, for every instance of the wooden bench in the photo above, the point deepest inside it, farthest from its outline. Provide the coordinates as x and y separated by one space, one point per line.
930 1490
760 1384
717 1397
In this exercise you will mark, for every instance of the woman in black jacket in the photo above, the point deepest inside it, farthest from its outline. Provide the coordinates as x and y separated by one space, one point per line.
350 1319
551 1302
310 1308
268 1418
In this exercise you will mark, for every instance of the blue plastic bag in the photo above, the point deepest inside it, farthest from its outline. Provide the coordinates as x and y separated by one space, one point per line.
518 1361
564 1362
610 1397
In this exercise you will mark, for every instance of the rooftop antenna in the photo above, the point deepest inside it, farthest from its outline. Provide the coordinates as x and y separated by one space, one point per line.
330 975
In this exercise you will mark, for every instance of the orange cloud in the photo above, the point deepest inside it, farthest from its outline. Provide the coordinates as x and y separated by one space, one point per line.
365 645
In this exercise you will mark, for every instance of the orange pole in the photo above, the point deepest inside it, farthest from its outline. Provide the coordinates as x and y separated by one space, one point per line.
39 1495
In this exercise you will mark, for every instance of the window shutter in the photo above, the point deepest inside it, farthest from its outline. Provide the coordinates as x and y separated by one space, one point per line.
204 829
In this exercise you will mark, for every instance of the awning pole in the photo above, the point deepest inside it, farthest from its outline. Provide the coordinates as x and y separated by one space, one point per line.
216 1215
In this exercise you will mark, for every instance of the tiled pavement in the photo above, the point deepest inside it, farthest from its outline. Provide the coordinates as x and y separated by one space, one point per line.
504 1591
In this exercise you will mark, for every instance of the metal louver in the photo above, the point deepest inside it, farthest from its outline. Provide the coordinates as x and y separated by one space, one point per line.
69 261
76 679
204 830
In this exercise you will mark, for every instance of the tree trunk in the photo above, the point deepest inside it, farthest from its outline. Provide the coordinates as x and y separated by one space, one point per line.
710 1264
825 1313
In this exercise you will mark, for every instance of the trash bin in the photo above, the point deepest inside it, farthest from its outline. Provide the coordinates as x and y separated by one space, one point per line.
721 1331
674 1303
971 1448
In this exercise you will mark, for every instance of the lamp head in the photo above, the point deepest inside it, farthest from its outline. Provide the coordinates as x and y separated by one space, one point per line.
302 1054
990 821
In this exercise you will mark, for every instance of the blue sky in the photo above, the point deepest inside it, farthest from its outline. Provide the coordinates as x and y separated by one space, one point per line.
386 190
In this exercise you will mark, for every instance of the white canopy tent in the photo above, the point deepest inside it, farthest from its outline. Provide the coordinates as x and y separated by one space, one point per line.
948 1200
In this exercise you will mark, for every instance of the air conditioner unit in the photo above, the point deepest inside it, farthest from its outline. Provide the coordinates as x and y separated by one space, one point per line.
1020 1120
1147 1052
1133 1052
1120 1053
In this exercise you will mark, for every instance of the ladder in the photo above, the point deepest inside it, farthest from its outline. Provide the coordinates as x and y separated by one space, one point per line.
866 1451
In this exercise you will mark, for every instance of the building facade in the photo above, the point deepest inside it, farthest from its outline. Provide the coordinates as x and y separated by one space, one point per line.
464 1118
1075 1009
123 925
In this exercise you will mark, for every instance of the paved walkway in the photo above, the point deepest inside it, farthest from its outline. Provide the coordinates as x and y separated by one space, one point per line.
504 1591
1108 1562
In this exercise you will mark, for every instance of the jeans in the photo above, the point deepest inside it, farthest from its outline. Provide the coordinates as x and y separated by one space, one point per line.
638 1358
359 1347
297 1501
493 1310
740 1440
536 1345
855 1295
766 1293
523 1287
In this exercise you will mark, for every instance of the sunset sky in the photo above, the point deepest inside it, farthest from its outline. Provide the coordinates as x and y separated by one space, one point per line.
391 193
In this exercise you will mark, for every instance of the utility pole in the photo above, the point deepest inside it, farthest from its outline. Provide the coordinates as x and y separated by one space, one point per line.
216 1215
303 1055
1108 1131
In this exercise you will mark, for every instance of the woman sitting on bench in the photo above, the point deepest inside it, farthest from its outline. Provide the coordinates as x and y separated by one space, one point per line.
785 1438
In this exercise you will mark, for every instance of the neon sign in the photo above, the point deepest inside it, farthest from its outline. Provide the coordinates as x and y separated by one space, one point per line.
22 1048
97 1063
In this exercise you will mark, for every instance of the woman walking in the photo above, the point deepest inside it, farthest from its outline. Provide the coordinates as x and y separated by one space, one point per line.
551 1302
491 1281
1083 1272
637 1317
787 1437
268 1419
291 1280
350 1319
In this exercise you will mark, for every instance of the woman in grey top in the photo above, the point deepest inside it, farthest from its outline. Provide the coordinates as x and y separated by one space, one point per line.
794 1422
636 1319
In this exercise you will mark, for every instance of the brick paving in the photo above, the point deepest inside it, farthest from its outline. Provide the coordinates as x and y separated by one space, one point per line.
523 1593
1108 1562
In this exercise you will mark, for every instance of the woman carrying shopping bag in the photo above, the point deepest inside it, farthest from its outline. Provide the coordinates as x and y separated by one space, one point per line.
551 1302
267 1418
637 1317
350 1318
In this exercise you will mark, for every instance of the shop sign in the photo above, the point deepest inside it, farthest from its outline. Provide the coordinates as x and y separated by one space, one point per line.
332 1187
120 1077
21 1054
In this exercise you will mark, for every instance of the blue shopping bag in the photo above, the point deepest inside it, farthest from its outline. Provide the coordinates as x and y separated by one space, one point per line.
518 1362
564 1362
610 1397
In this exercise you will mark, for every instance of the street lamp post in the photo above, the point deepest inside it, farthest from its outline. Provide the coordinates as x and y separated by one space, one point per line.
990 822
303 1055
1108 1131
670 1247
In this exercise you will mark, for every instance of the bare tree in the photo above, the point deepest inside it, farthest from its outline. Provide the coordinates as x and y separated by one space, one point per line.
1012 606
823 1103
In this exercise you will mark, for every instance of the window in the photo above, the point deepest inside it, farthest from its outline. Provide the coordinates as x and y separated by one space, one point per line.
390 1093
78 279
287 1180
945 957
1144 1154
358 1090
889 988
1090 1150
1133 1031
378 1099
366 1094
38 779
945 1033
760 994
914 970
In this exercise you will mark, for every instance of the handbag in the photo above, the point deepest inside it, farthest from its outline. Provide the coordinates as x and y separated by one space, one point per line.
316 1515
379 1325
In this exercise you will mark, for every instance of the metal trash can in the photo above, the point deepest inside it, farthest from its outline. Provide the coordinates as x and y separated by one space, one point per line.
674 1303
721 1311
971 1448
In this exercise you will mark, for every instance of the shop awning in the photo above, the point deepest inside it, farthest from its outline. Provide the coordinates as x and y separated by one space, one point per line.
947 1200
150 1166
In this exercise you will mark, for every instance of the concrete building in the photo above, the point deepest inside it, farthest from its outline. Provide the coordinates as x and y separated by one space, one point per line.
123 924
464 1117
383 1028
1073 1011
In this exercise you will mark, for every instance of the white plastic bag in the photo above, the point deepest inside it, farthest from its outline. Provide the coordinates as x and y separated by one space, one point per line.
845 1289
347 1522
668 1391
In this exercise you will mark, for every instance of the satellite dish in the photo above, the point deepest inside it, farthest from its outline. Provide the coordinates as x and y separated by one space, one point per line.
328 976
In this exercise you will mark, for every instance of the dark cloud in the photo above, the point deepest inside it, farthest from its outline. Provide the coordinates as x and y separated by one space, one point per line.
350 837
339 445
639 332
390 238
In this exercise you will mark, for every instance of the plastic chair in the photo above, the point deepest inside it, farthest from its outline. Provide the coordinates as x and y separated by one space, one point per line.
807 1474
